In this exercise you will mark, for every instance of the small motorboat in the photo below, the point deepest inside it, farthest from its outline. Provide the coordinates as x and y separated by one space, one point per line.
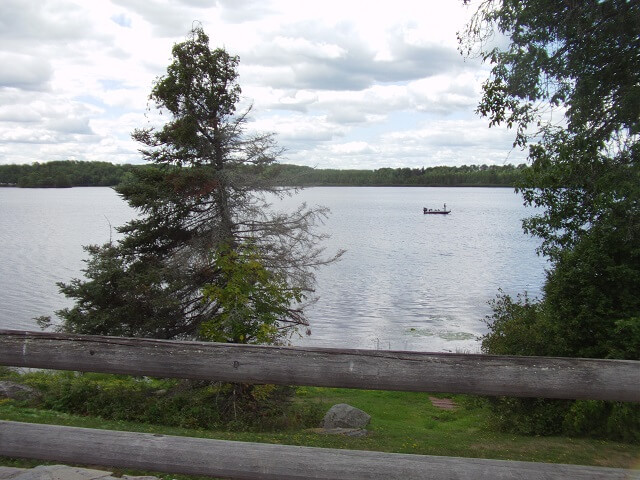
435 211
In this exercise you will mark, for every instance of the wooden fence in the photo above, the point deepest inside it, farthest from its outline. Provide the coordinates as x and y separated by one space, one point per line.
617 380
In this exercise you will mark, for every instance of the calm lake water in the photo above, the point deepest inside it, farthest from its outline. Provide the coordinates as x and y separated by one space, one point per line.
408 281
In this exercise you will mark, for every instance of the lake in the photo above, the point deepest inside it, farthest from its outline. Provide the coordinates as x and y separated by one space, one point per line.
408 281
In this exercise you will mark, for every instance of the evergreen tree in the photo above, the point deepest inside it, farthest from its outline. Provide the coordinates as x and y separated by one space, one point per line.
207 258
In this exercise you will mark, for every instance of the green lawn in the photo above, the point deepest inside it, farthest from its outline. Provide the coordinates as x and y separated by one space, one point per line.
401 422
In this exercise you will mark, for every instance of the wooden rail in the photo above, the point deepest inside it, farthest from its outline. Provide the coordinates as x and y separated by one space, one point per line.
548 377
617 380
198 456
383 370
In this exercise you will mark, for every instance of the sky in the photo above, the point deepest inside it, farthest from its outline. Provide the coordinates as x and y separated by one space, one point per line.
342 84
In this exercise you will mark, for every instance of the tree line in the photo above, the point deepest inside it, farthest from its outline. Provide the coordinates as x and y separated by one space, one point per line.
74 173
63 174
440 176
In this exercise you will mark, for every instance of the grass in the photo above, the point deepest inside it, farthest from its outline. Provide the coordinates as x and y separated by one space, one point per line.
407 422
401 422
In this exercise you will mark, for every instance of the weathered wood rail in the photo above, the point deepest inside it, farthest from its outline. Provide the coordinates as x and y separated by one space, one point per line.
548 377
384 370
198 456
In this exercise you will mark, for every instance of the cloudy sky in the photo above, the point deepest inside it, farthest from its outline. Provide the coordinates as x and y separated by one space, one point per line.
343 84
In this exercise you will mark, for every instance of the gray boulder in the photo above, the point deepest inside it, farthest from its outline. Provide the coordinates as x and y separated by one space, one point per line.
345 416
7 473
62 472
17 391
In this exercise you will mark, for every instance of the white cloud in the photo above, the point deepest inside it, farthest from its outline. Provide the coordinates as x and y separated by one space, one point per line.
25 72
302 47
343 84
352 148
71 125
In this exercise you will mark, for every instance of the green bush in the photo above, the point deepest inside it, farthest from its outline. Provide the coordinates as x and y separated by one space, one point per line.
529 416
615 420
182 403
526 327
518 328
588 418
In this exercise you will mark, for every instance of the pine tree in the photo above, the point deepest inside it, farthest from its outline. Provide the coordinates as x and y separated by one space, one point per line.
207 258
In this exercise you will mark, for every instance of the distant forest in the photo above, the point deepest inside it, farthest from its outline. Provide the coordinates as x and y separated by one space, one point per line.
73 173
464 176
63 173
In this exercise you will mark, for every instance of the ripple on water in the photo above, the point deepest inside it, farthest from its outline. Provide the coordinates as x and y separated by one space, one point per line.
402 269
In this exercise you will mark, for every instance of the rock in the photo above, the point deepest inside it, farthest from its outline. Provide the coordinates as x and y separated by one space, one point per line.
345 416
60 472
10 472
17 391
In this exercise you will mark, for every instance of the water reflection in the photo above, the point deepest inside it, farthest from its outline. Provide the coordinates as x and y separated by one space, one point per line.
408 281
414 281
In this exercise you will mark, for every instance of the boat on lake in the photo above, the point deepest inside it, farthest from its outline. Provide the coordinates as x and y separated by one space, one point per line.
435 211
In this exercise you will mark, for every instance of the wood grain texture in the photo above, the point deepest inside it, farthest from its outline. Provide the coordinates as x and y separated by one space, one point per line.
243 460
570 378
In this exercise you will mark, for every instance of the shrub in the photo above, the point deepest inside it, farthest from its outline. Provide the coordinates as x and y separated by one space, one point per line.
526 327
183 403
